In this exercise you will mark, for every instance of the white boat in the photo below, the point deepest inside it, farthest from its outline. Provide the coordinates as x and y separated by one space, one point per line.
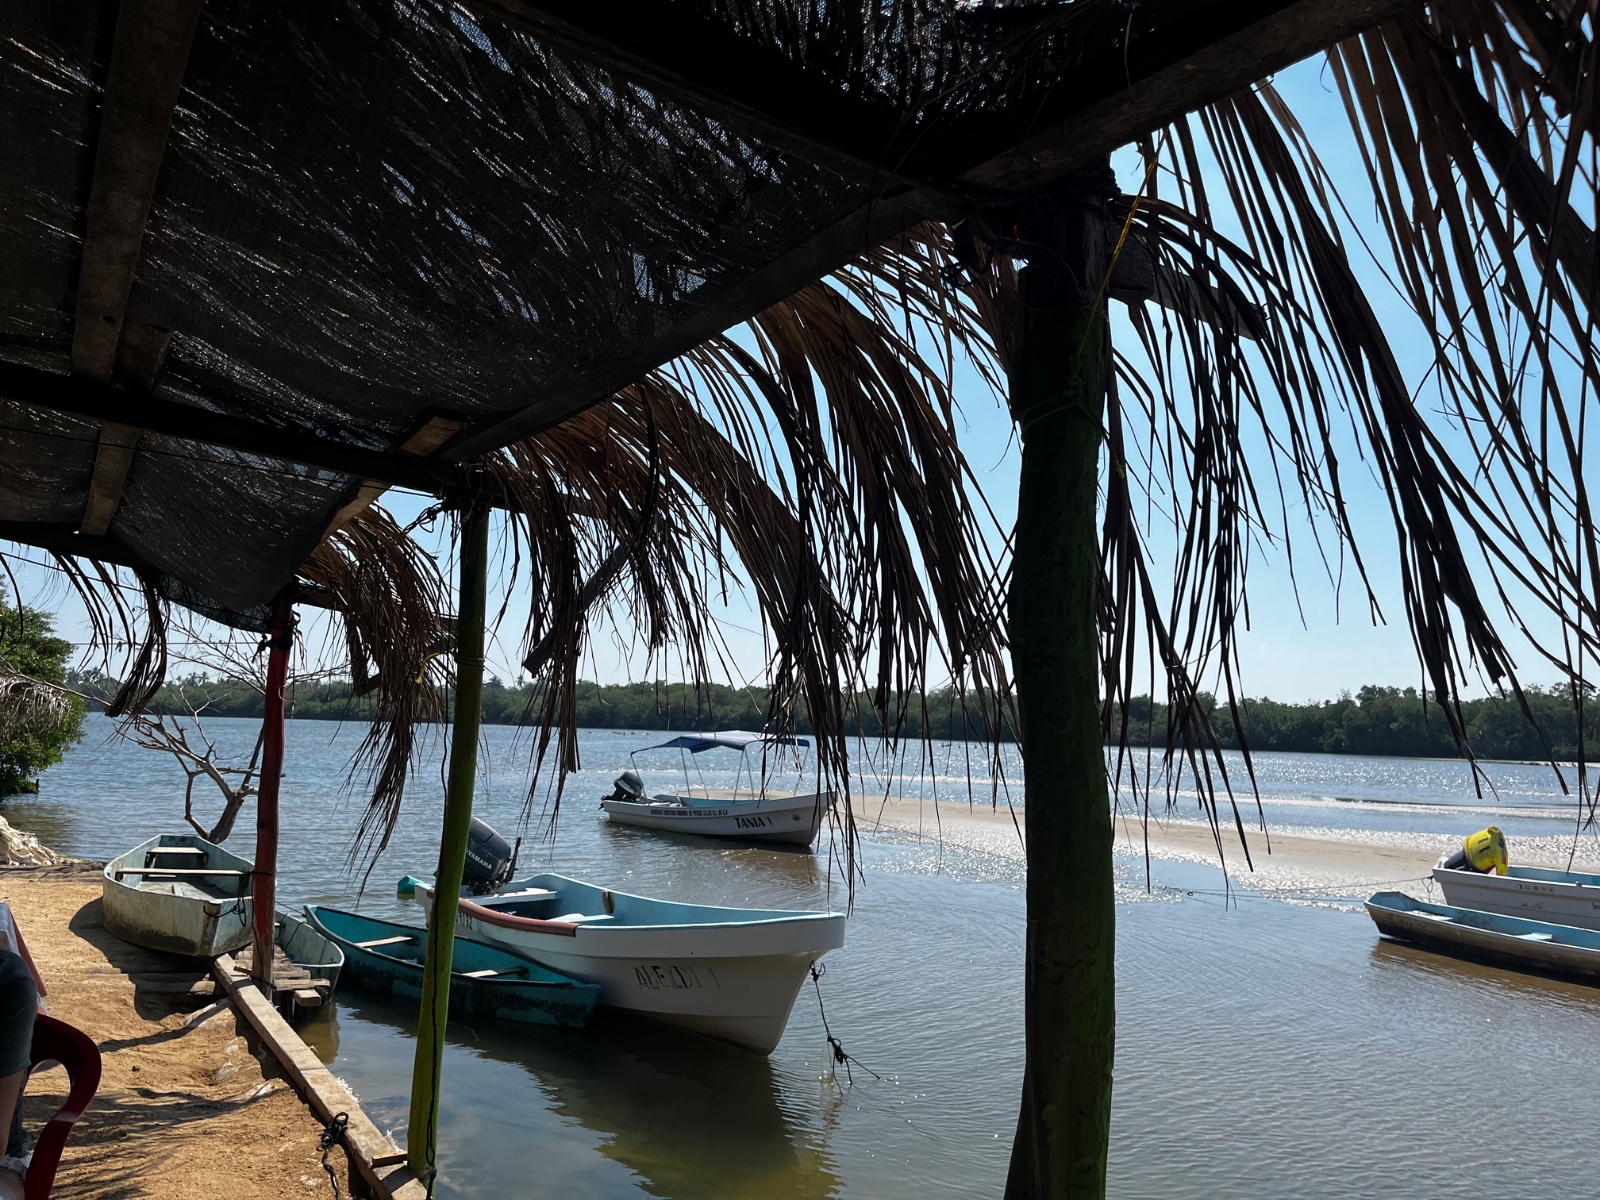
181 893
754 813
728 973
1537 893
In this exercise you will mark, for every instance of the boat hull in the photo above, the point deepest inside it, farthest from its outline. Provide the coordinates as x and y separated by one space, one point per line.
1510 941
790 820
696 967
538 996
177 913
1562 897
312 949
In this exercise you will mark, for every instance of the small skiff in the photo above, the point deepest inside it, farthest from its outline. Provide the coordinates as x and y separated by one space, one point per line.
312 949
728 973
1511 941
484 981
754 813
181 893
1537 893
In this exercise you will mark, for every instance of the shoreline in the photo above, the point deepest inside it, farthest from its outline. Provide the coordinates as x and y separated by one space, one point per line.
190 1102
1288 865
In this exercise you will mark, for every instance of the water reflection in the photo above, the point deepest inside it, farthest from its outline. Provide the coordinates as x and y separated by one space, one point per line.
690 1119
1463 970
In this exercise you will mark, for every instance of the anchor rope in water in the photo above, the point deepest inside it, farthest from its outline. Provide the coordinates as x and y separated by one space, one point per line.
330 1138
839 1055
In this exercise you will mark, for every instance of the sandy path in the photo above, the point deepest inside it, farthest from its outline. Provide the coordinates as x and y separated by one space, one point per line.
1351 864
184 1111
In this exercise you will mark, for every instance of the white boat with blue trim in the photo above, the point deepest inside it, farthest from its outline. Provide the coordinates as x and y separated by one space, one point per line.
728 973
750 813
1536 893
1511 941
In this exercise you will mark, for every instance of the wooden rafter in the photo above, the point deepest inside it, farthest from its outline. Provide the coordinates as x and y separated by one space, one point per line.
151 414
1219 47
148 55
435 432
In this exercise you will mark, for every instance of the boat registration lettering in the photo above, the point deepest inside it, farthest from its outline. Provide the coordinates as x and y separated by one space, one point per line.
656 977
753 822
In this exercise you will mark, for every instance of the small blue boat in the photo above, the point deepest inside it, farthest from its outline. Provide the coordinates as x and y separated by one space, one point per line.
485 981
1510 941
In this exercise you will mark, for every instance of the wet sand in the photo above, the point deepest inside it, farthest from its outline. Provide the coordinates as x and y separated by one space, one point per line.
1350 863
187 1107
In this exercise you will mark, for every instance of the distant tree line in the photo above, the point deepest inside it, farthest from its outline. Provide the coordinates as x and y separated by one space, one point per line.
1384 721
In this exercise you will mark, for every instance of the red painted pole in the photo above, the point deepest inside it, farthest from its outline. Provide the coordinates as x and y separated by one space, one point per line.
264 883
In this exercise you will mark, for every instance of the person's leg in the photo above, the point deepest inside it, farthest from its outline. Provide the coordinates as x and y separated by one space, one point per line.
19 1001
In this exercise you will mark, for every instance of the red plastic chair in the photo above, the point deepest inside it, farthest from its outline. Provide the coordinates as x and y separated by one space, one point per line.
56 1041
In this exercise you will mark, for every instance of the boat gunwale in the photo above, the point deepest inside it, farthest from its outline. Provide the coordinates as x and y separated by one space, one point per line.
1561 936
561 981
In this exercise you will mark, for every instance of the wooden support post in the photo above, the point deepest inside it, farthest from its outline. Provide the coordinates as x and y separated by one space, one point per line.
422 1132
264 882
1058 394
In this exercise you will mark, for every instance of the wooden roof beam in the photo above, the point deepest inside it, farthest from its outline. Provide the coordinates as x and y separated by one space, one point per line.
149 52
1231 45
66 541
83 397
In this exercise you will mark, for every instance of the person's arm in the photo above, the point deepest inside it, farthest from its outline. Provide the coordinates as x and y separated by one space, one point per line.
19 1001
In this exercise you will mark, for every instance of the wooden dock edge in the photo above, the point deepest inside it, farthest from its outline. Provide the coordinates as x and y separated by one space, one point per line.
373 1154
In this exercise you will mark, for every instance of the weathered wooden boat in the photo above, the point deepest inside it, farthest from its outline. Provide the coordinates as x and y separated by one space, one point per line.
1510 941
310 948
485 981
753 813
1537 893
181 893
728 973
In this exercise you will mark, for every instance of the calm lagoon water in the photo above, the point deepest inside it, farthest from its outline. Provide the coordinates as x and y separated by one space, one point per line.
1265 1048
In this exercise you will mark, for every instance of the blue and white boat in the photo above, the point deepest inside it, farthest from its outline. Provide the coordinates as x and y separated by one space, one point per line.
751 813
485 981
729 973
1537 893
1512 941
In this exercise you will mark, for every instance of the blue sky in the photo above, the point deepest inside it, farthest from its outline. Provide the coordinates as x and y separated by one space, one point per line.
1308 647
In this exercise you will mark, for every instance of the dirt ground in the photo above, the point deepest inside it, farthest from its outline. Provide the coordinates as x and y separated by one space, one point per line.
187 1109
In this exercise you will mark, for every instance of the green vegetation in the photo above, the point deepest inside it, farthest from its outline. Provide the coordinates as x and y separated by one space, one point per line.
1375 720
37 723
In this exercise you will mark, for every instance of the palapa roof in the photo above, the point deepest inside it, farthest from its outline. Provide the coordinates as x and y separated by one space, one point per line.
256 253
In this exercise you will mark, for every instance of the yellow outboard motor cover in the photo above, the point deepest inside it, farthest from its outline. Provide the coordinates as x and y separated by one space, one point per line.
1486 850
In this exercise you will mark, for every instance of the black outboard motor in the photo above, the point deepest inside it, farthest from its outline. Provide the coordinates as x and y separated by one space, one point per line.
490 859
628 787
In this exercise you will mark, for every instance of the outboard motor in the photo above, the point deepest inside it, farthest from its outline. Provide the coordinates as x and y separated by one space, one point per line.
490 859
629 787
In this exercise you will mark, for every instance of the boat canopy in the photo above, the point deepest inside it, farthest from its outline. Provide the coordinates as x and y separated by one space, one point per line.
733 739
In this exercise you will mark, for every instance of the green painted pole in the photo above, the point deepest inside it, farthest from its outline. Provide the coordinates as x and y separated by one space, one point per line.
423 1130
1058 396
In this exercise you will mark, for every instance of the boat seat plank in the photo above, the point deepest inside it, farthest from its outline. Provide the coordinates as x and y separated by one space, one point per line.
582 918
388 941
175 850
176 872
492 974
526 894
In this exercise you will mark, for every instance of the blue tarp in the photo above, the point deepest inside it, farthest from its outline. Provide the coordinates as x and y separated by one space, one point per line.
732 739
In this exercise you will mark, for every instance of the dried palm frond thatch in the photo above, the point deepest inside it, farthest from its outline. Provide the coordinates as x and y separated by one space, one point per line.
28 706
812 453
389 597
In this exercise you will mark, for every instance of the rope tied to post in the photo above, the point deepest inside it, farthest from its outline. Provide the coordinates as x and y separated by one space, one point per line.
330 1138
839 1055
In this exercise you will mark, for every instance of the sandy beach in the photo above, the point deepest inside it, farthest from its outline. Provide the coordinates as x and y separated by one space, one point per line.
1348 863
189 1105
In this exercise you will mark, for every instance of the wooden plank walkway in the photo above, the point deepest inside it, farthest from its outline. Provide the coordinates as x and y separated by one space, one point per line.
372 1153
